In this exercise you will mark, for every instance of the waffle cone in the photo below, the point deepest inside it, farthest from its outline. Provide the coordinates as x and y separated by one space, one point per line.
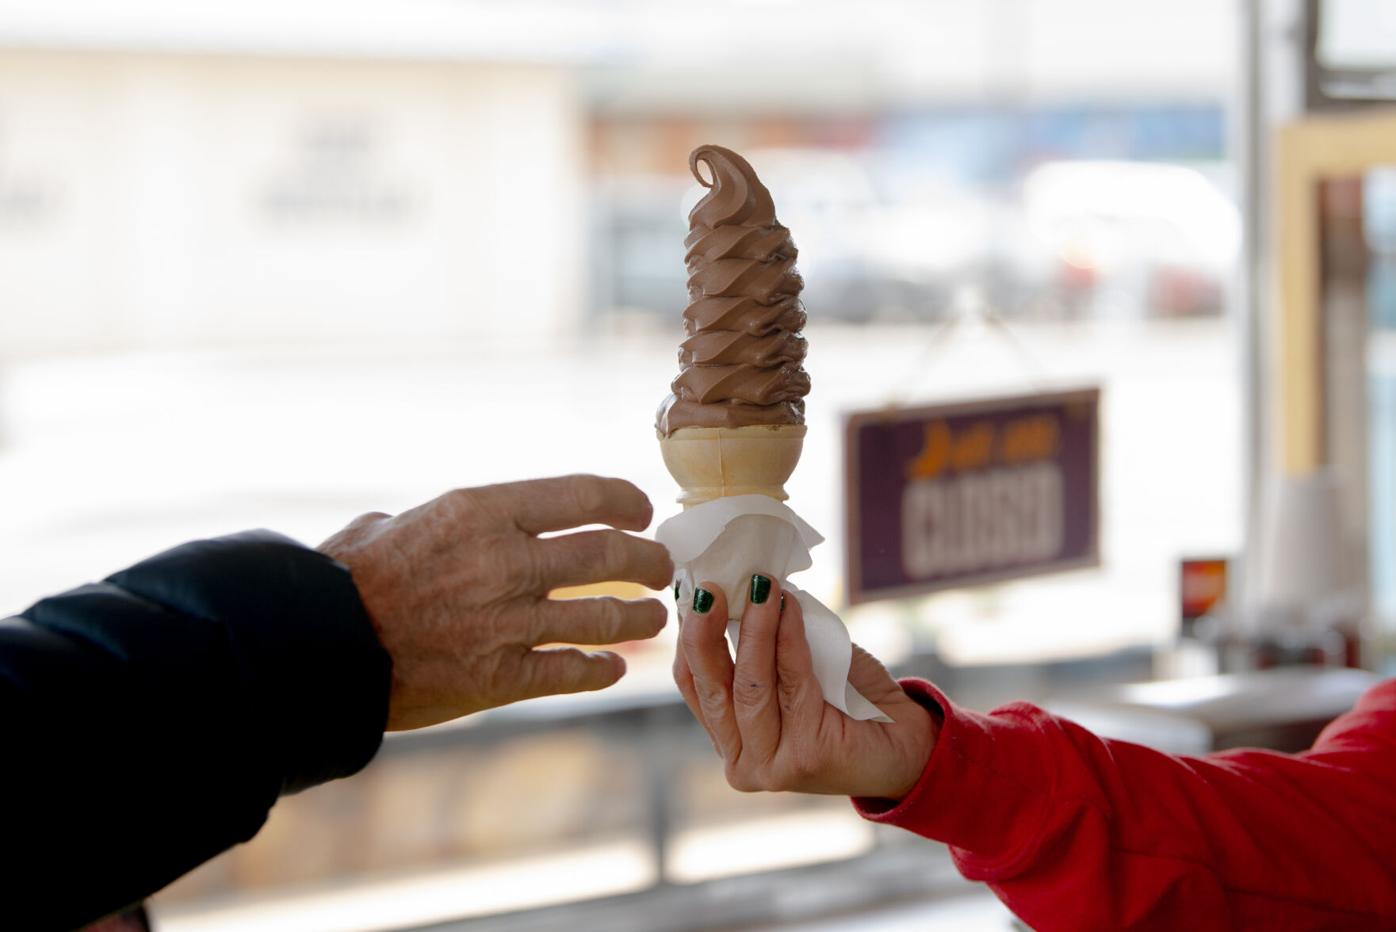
717 462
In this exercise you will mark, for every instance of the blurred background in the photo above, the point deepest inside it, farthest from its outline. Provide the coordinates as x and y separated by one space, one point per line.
278 264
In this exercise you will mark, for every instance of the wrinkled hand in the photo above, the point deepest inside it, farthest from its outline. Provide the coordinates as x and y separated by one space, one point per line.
457 590
769 721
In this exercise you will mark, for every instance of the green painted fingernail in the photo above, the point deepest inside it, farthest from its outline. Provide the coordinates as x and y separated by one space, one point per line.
760 588
702 601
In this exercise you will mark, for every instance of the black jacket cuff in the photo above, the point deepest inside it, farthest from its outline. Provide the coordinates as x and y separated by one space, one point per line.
314 676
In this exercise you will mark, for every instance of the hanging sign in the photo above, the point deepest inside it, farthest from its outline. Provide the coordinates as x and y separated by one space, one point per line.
962 494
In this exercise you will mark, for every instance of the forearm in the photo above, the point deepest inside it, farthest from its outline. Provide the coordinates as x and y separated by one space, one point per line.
1073 831
152 721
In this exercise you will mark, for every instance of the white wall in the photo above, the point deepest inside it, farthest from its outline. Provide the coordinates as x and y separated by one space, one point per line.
165 200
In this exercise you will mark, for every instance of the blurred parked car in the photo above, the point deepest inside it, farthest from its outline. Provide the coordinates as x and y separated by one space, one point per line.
1146 238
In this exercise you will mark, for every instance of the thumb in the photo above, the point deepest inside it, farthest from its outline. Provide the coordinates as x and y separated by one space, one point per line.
870 677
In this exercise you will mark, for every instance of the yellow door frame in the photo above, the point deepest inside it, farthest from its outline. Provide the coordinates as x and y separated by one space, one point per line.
1309 151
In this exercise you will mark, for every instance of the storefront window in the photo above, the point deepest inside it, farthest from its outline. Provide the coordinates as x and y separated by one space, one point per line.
279 281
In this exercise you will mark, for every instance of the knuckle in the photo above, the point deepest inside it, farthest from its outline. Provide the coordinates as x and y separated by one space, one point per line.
543 619
512 571
356 534
742 779
464 505
615 550
588 493
581 671
788 695
749 692
590 550
712 700
463 499
612 619
786 668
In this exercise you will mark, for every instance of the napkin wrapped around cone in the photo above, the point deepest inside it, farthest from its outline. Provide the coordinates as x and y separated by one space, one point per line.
725 540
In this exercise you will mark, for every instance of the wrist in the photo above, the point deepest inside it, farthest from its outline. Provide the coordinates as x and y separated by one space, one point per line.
921 740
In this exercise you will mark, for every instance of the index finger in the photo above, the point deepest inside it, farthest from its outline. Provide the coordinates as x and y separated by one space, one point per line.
703 639
563 502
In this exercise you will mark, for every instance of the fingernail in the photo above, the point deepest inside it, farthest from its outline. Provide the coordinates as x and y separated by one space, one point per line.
760 589
702 601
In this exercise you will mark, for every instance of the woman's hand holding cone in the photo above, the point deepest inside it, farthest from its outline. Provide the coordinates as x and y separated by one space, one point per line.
767 717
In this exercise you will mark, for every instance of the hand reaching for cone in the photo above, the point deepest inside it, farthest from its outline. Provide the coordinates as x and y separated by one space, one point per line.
457 590
767 717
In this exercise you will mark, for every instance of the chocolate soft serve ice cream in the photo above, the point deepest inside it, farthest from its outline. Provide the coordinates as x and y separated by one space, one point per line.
741 364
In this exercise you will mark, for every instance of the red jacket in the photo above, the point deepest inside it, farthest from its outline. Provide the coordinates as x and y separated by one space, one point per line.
1078 832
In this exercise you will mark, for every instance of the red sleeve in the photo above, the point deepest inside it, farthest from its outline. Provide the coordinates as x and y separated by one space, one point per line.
1075 832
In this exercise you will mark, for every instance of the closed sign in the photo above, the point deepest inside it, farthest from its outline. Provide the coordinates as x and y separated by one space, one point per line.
956 495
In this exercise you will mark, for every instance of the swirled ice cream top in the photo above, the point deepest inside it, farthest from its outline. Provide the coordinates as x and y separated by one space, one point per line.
742 362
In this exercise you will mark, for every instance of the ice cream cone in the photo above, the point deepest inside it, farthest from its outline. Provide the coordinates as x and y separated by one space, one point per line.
717 462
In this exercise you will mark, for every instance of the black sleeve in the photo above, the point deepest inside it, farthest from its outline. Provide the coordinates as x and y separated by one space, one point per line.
150 721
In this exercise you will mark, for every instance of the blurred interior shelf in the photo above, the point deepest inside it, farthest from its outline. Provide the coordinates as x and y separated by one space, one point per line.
1283 709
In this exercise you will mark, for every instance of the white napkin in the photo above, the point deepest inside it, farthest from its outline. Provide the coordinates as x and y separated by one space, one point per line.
726 540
